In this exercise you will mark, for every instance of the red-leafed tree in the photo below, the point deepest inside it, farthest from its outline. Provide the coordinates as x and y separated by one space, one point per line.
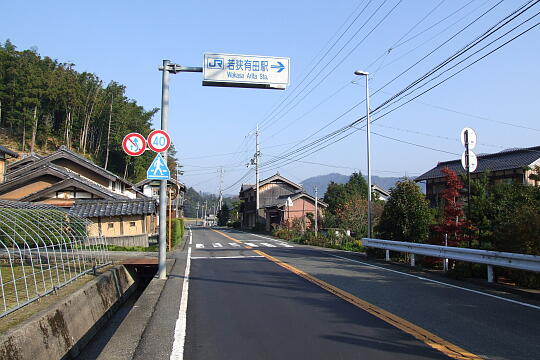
453 221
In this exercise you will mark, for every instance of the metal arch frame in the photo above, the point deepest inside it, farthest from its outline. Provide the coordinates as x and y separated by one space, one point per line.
69 228
21 258
62 240
9 211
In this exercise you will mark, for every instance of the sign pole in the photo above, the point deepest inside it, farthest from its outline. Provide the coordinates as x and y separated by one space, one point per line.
162 271
316 210
468 165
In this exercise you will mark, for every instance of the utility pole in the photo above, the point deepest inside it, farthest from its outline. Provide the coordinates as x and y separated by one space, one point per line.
257 154
205 210
316 210
220 203
197 217
368 132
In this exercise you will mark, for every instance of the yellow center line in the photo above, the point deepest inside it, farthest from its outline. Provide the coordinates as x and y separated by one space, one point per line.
428 338
231 238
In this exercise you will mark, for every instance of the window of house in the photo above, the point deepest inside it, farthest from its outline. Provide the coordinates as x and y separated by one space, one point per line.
132 224
110 225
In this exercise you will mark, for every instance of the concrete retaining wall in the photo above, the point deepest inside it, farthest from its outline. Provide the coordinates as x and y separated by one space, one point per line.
128 240
61 331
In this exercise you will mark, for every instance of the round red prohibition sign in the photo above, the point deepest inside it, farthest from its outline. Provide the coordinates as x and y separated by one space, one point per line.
159 141
134 144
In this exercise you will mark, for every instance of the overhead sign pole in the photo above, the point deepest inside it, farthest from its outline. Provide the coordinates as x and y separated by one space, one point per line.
219 70
162 271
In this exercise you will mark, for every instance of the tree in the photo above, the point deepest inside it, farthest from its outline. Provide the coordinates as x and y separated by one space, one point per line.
338 194
406 215
482 210
223 215
453 223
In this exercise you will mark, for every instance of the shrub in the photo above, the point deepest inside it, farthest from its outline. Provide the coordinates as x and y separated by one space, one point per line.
177 231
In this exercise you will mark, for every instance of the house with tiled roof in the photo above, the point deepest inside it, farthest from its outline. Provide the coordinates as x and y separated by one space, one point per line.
126 222
176 191
514 165
61 178
4 154
280 202
125 216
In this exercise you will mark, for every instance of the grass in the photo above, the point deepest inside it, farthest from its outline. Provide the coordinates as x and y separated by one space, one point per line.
151 248
24 282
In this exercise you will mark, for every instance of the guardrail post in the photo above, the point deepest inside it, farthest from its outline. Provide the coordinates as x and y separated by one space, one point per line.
413 260
490 273
445 265
387 255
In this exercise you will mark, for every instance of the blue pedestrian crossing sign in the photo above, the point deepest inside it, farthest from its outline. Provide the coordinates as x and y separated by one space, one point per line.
158 170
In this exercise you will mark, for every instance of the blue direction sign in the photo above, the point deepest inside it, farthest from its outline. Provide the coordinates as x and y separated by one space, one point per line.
158 170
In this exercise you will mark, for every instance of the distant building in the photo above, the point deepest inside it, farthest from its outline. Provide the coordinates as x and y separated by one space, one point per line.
380 193
506 166
274 205
150 188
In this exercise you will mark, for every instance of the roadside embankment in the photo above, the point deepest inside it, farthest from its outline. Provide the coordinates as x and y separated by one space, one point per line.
63 329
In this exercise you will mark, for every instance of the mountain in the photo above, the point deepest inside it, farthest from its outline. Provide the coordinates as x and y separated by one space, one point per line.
322 182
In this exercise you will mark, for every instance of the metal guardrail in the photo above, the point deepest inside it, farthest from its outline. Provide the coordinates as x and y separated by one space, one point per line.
43 248
487 257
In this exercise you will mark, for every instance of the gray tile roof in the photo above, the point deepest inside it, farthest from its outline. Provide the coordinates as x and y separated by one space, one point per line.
95 208
61 173
11 153
504 160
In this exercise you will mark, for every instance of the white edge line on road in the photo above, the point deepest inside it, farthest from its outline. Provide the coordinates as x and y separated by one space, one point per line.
440 282
430 280
226 257
177 352
190 237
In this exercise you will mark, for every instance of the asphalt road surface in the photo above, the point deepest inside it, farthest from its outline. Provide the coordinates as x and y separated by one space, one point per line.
253 297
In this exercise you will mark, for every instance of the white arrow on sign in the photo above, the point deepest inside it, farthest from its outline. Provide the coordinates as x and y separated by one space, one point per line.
473 161
471 137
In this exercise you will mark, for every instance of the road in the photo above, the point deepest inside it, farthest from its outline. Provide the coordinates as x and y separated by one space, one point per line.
253 297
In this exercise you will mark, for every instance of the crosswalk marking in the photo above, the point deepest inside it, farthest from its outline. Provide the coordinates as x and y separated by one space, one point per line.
284 244
251 244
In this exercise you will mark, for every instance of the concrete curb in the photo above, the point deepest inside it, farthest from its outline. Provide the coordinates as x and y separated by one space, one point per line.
123 343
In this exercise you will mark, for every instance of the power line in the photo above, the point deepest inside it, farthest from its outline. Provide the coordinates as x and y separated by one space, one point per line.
317 64
276 118
395 78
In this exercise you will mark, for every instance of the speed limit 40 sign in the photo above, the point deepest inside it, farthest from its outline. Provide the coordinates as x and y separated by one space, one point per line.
159 141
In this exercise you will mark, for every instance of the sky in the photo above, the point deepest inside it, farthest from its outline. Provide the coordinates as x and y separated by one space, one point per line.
213 127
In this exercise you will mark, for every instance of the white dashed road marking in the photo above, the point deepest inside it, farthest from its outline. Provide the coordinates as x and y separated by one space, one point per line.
199 246
217 245
234 244
251 244
267 244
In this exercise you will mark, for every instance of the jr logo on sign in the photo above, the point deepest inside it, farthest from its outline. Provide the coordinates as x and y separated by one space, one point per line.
215 63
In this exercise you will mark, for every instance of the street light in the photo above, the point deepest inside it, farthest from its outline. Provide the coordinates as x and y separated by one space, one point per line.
368 131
